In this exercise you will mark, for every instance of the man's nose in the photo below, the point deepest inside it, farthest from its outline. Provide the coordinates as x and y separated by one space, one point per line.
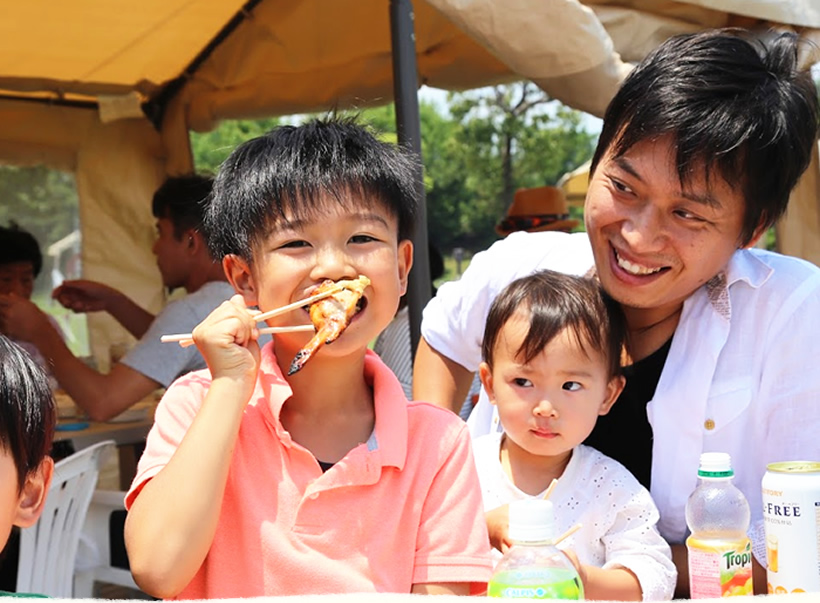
644 229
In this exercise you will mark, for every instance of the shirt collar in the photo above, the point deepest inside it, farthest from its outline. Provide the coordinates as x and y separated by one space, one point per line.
387 442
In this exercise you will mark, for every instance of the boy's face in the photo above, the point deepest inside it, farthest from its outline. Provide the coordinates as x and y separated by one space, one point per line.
342 243
550 405
17 278
654 241
21 508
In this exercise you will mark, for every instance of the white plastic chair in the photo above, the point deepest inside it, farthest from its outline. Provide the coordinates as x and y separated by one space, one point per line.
96 533
48 548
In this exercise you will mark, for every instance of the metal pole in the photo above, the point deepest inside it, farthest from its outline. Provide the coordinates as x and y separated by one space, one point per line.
408 125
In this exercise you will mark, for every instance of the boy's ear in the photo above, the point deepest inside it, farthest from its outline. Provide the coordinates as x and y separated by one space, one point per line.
613 390
241 277
486 376
405 260
33 496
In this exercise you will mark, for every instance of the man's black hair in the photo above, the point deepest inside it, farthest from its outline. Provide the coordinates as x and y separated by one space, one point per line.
736 106
18 245
290 173
27 413
183 199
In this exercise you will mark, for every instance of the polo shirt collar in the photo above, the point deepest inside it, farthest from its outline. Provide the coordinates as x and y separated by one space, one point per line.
388 441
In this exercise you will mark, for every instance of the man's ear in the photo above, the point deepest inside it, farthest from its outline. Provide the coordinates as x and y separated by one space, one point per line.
759 232
241 277
33 496
405 259
486 376
613 390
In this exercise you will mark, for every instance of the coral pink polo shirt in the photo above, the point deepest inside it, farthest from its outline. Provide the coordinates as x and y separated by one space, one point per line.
403 508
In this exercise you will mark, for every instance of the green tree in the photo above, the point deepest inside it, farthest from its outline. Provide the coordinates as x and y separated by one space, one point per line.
210 149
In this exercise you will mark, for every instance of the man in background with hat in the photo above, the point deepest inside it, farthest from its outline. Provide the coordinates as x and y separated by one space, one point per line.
535 210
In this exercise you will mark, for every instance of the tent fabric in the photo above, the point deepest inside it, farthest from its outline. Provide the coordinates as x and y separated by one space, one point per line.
73 78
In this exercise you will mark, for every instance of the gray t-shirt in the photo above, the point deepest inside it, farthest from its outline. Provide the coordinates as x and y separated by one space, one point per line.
164 362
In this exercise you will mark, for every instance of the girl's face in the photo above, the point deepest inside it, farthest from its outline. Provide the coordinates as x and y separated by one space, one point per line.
549 405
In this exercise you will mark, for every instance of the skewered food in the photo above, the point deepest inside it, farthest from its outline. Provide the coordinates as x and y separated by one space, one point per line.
331 316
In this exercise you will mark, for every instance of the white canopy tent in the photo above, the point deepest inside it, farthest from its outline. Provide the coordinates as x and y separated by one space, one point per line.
110 90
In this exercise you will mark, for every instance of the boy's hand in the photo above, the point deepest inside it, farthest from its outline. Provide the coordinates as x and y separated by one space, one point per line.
498 526
227 339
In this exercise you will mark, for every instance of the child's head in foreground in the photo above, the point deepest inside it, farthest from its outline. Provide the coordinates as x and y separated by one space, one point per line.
323 200
27 420
20 261
552 351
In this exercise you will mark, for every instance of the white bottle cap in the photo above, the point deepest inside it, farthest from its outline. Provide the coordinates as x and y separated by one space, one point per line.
531 520
715 464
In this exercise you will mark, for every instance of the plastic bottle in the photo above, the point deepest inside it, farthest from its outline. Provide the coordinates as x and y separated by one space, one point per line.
533 568
717 513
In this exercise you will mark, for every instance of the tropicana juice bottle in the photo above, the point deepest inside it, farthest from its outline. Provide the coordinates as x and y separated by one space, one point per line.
717 513
533 567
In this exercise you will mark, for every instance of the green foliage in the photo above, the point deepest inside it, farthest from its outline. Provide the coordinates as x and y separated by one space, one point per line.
476 153
210 149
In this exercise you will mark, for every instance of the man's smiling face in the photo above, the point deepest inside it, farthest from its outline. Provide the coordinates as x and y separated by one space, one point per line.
656 240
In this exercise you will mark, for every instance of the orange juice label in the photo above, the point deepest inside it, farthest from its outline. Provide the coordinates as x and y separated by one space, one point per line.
719 568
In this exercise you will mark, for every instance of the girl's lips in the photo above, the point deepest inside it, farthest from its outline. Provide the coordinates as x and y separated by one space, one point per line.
544 433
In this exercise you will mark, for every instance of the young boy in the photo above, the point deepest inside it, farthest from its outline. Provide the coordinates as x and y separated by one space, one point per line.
552 350
27 420
327 481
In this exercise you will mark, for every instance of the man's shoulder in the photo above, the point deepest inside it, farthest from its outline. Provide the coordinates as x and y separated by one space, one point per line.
774 276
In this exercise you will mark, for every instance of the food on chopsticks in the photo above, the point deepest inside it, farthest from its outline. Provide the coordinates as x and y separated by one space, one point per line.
331 316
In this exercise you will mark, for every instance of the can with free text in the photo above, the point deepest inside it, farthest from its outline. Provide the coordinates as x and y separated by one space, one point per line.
791 513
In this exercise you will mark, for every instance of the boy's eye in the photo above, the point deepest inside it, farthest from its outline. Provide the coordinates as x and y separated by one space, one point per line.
295 244
521 382
362 238
571 386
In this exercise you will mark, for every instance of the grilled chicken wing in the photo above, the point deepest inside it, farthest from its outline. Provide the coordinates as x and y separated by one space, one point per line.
331 316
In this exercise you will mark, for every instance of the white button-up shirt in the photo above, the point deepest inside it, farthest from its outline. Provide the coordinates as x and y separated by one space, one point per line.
742 375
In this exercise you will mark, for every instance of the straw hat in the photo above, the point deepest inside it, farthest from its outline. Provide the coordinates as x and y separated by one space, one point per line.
537 209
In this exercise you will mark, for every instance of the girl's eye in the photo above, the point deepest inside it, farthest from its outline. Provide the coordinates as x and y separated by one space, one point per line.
571 386
521 382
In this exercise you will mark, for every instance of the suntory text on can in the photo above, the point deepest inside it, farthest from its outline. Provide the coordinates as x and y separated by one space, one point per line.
791 511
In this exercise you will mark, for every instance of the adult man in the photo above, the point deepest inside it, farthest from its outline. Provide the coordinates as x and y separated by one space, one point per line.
184 261
698 153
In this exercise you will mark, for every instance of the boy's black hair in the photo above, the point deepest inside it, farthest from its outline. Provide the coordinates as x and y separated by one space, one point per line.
290 172
736 107
27 412
183 200
555 301
18 245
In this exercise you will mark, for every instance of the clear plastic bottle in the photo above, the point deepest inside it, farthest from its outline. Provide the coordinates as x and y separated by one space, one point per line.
719 550
533 568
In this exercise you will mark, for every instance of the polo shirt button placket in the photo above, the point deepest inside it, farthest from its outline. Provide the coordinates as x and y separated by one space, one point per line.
709 424
314 496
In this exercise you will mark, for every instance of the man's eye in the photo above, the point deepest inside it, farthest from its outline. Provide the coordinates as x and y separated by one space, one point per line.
620 186
571 386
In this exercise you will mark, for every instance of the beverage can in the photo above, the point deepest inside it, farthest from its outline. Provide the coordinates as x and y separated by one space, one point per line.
791 513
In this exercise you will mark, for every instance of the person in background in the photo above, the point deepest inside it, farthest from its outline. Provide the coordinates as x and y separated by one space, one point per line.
27 420
185 261
393 345
326 480
539 209
552 350
21 261
699 151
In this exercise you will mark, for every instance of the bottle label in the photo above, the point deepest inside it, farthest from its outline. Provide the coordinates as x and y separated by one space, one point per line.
535 583
719 568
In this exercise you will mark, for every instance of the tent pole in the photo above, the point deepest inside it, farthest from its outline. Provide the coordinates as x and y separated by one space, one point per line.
408 126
